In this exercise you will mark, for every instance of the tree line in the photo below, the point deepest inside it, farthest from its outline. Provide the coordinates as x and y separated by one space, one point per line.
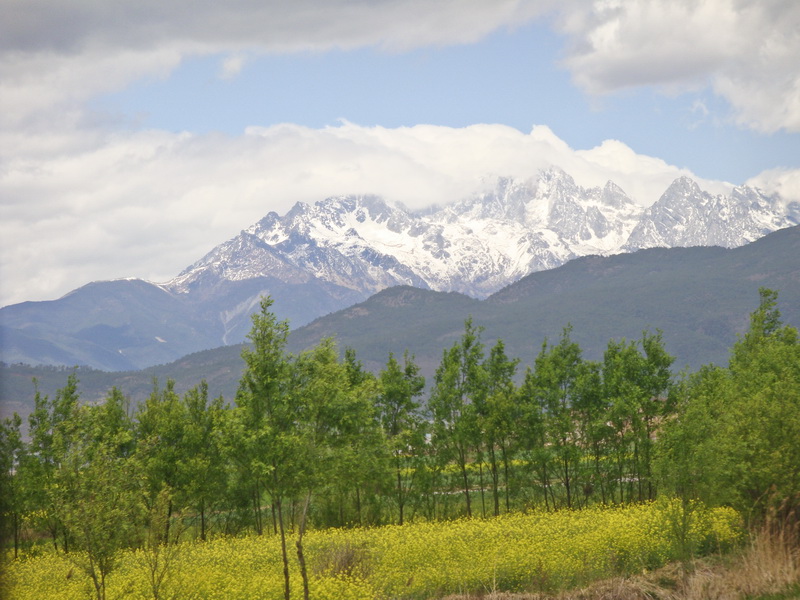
315 440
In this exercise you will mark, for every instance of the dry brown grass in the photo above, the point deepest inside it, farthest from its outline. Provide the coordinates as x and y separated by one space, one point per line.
767 568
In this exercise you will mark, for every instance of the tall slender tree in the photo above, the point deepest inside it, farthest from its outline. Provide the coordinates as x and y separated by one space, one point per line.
556 375
160 450
459 385
41 462
202 467
402 423
265 420
335 433
497 418
11 499
96 493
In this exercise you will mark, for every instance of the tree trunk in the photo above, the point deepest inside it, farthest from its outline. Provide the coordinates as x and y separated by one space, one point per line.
483 496
166 525
300 556
284 555
463 460
638 469
598 474
567 482
54 532
203 521
546 485
506 478
257 509
400 499
16 535
493 471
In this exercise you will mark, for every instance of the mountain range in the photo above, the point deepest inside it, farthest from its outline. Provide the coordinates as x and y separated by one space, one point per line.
699 297
323 257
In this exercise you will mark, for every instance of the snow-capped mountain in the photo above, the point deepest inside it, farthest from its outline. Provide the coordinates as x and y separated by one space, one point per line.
322 257
686 216
483 243
475 246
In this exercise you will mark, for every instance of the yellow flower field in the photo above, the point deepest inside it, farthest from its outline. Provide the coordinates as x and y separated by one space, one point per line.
516 552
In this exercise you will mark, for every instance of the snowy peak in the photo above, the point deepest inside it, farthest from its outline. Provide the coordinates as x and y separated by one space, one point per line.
554 202
686 216
481 243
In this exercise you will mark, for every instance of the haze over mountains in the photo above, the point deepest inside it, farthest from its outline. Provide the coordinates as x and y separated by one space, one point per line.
320 258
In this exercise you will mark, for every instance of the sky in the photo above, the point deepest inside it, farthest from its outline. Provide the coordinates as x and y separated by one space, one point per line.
136 135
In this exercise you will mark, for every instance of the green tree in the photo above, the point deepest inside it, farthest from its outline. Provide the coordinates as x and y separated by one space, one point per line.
497 418
735 438
334 429
115 425
555 380
762 423
532 432
402 423
459 385
363 465
202 468
594 431
264 432
95 494
636 382
160 446
689 452
11 501
37 469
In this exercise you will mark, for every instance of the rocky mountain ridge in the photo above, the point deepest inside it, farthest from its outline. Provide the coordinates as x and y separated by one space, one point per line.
483 243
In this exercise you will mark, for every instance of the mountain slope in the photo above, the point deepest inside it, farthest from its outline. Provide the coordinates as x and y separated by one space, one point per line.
699 297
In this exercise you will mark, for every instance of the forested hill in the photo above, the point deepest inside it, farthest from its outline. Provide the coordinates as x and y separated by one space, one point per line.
699 297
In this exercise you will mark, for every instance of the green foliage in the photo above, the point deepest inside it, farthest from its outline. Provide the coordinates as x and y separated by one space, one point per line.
402 424
459 388
736 440
95 492
11 500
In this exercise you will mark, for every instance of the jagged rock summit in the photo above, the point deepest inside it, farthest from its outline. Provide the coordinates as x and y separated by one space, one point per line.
483 243
687 216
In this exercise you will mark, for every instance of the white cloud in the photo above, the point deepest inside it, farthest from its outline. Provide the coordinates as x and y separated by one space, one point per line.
783 182
148 204
232 65
54 55
748 51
